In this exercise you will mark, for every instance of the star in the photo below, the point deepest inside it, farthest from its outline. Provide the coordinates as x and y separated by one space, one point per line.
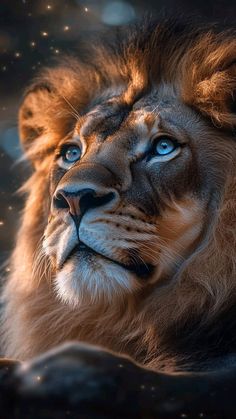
17 54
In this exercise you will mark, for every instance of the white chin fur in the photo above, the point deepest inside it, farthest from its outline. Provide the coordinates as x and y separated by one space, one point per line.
93 279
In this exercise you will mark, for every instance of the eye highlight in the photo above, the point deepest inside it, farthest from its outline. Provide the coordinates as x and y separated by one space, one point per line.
163 149
69 154
164 146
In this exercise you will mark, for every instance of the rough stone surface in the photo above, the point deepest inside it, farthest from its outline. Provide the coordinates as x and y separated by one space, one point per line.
77 381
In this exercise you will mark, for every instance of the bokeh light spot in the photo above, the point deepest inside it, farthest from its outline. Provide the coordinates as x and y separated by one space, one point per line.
117 13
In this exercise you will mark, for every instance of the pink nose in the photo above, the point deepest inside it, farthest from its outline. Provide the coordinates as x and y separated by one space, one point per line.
77 203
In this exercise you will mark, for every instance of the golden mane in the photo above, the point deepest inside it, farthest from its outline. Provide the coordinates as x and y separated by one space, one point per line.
199 65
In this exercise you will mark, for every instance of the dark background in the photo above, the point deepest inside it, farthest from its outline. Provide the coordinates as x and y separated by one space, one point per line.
32 33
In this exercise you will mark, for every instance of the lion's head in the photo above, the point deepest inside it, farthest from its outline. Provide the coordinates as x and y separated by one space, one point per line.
132 195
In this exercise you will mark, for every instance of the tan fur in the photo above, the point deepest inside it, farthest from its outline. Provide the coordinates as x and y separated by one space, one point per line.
202 75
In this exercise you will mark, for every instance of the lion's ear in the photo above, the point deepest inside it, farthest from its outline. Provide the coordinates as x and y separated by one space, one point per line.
215 97
33 114
210 84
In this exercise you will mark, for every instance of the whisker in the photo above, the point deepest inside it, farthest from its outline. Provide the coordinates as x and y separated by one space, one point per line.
135 258
156 107
78 116
41 267
153 252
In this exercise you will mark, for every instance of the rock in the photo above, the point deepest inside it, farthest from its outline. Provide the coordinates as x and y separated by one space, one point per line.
80 381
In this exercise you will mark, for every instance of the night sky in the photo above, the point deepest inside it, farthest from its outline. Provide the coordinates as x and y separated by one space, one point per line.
34 33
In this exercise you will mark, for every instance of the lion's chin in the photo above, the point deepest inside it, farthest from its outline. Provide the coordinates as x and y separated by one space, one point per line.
88 277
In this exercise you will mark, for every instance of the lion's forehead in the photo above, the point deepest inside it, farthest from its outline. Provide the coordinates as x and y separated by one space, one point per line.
107 119
136 124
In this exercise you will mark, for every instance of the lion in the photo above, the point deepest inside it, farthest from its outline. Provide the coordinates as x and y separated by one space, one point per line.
127 238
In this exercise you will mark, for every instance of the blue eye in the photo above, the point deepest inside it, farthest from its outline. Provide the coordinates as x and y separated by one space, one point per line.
164 146
71 154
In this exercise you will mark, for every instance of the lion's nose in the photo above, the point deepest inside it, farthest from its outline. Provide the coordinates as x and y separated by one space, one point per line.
80 201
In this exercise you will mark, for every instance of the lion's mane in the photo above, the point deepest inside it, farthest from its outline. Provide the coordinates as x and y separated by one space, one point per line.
175 319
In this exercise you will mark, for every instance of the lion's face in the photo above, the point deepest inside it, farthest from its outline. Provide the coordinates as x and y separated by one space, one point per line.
130 190
135 170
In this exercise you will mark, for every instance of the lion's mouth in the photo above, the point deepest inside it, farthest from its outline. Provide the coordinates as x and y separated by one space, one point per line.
142 270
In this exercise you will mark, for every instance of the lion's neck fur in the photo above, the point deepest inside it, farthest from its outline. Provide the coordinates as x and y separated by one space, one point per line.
142 326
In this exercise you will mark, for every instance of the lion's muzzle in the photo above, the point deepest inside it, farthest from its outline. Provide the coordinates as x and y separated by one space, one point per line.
84 188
